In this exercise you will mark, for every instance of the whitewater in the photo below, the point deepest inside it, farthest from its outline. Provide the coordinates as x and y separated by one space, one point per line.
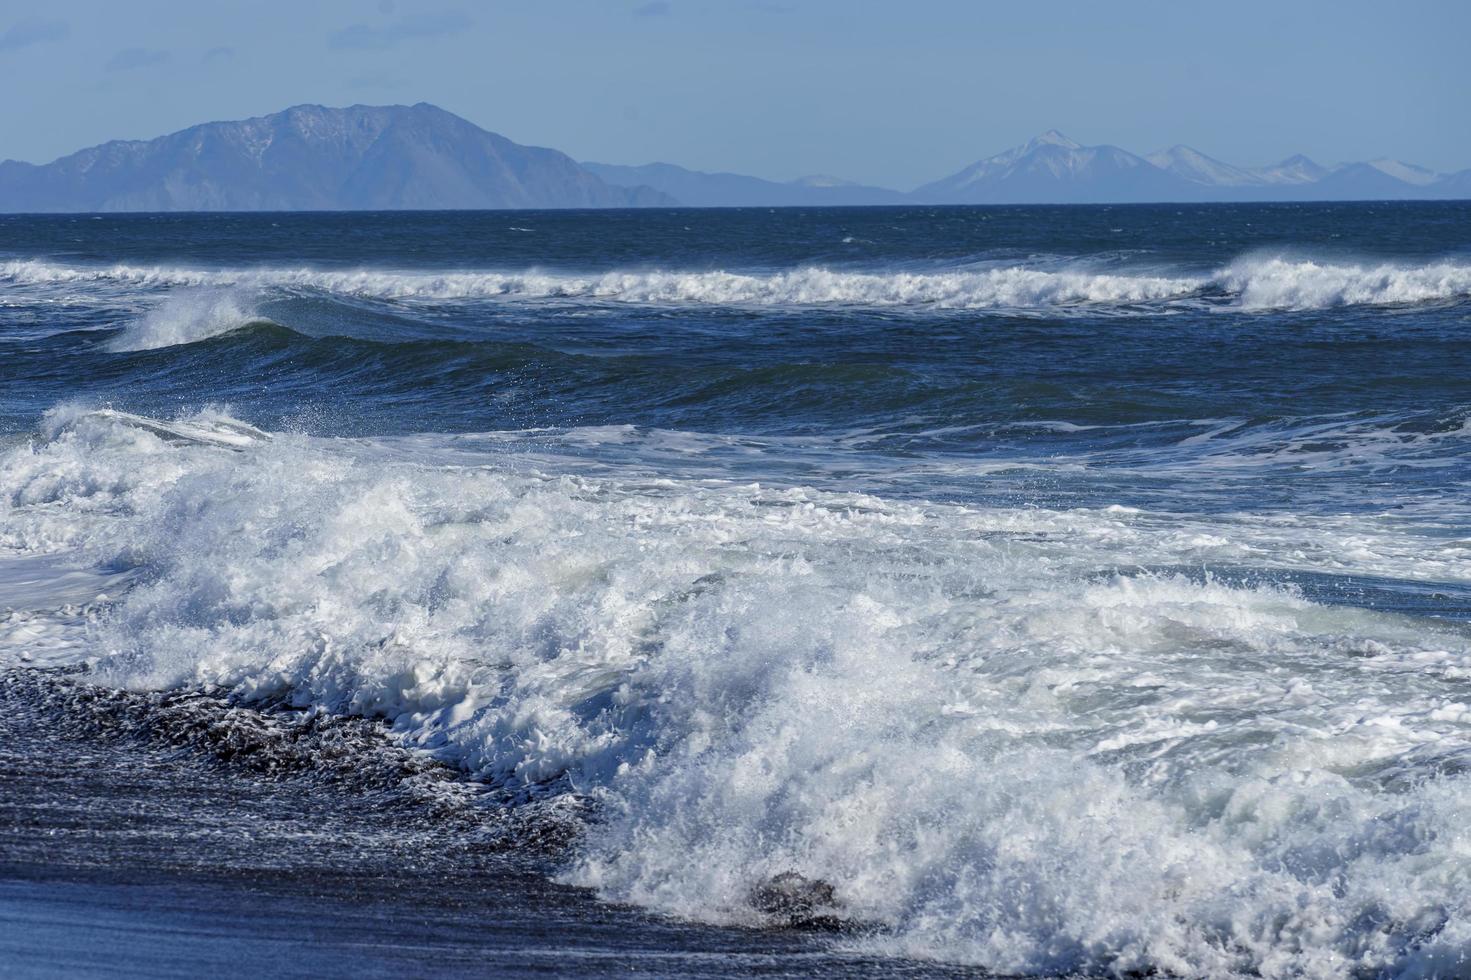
1251 283
1073 611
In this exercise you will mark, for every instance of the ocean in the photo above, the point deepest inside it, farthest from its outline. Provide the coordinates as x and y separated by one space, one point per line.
1036 591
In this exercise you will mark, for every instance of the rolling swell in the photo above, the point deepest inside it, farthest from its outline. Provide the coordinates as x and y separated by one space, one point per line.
353 366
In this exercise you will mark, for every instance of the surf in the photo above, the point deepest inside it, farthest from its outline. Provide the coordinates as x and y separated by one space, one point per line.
927 707
1252 283
1057 591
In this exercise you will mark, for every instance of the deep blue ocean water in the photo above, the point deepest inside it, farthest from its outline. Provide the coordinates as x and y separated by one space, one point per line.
1068 588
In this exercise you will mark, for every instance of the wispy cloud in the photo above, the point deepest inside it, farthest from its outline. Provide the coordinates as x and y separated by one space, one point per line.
376 80
130 58
221 53
410 28
28 32
654 8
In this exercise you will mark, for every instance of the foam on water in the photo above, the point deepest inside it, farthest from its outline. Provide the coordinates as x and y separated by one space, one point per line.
1253 283
1268 283
997 740
991 288
187 317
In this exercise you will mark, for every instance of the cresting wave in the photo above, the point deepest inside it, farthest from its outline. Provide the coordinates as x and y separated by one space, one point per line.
991 744
186 318
1251 283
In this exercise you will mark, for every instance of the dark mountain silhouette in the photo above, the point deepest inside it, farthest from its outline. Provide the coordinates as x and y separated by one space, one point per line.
311 158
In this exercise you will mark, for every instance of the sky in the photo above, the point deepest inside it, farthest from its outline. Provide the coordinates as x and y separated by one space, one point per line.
888 93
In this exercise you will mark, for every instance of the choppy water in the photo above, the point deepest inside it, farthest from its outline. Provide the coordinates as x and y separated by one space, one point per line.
1070 589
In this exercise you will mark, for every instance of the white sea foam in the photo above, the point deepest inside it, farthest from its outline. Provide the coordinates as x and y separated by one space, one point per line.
1000 287
1278 283
995 747
1265 283
187 317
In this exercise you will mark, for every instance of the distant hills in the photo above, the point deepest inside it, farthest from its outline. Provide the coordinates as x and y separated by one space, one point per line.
310 158
720 190
1054 169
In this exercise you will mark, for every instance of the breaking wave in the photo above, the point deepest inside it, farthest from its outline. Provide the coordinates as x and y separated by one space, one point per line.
188 317
990 288
1283 284
1250 284
981 739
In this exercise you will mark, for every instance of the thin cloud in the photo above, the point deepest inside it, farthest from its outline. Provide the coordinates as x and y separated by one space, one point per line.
376 80
363 37
29 32
222 53
654 8
130 58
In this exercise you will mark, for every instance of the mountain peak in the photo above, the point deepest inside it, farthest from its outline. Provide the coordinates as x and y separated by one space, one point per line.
312 157
1296 169
1189 163
1053 168
1408 172
1054 138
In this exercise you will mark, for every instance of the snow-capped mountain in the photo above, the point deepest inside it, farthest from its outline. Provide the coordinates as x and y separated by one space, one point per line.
1296 169
422 157
311 158
1184 161
1407 172
1054 169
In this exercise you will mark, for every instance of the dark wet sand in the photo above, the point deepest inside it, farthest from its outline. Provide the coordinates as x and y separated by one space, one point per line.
119 857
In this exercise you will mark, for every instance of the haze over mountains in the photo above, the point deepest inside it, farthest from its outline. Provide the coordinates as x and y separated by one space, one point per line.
311 158
1054 169
702 190
422 157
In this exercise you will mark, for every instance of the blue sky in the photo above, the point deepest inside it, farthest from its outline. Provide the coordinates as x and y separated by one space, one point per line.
893 93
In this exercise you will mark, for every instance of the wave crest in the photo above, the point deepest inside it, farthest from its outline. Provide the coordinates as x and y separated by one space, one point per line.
1283 284
935 709
1247 284
1007 287
187 318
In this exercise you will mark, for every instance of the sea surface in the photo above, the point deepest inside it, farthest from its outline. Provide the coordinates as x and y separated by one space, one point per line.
1039 590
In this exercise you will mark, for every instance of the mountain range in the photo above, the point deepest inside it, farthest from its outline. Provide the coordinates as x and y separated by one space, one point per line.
421 157
1054 169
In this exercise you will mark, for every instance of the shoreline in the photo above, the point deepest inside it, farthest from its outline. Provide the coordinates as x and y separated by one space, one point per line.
119 857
